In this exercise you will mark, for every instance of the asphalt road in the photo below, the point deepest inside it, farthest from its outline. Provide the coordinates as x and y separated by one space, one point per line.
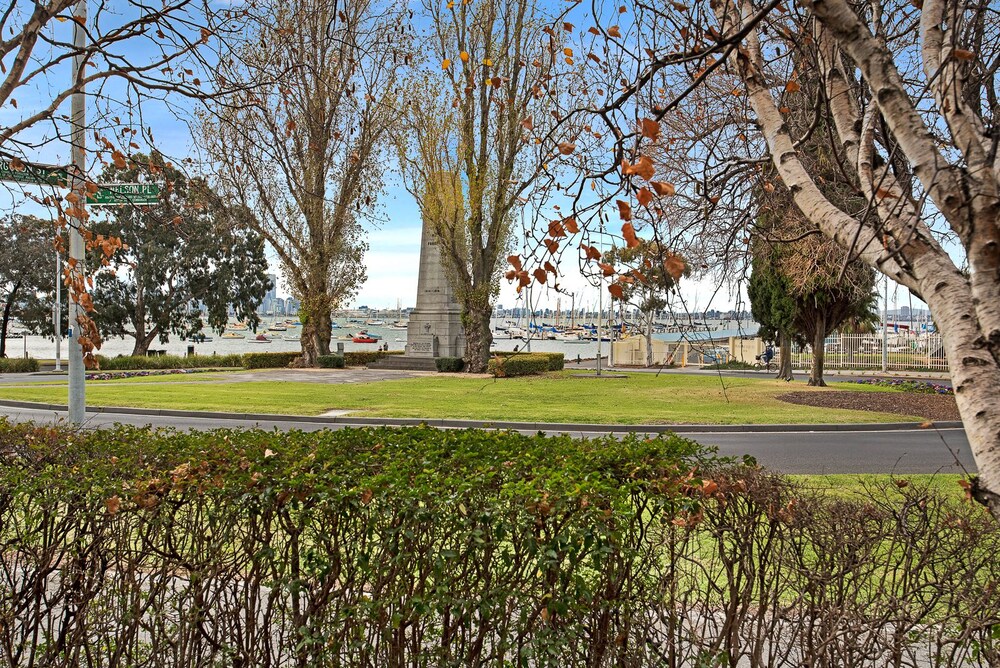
903 451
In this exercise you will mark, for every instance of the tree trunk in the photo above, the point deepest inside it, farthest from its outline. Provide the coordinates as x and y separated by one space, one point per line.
6 319
819 350
784 357
478 337
142 342
316 332
649 342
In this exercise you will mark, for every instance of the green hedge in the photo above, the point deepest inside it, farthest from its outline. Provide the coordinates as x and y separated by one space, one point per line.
522 364
449 364
268 360
418 547
363 357
330 362
557 361
18 365
139 362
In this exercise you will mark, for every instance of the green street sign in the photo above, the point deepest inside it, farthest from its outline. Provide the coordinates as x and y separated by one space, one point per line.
26 172
116 194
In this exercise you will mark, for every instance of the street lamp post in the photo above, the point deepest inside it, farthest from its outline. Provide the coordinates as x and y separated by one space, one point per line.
78 115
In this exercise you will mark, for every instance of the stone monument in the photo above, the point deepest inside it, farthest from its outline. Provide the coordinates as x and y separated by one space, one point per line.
435 324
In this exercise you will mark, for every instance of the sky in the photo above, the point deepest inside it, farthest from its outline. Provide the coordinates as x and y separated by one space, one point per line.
393 257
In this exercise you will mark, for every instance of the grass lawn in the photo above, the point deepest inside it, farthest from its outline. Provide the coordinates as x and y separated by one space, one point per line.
852 487
558 397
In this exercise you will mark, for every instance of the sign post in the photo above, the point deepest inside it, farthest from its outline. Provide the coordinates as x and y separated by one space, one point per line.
117 194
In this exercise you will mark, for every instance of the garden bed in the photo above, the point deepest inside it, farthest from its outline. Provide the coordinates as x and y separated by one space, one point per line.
929 406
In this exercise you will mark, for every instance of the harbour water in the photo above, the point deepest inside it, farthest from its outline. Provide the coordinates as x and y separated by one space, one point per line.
43 348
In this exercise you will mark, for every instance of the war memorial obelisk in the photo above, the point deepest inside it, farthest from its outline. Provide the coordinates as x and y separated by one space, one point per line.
435 324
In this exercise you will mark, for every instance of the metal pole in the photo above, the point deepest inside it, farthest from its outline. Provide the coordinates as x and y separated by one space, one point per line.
600 314
57 312
77 396
885 329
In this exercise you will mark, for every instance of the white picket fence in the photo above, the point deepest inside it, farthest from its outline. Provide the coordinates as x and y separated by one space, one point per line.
906 351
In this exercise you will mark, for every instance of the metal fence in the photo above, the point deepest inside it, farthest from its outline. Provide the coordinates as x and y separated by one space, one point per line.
905 351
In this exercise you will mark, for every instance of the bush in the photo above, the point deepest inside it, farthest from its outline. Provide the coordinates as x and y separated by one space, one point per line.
363 357
386 547
557 361
330 361
522 364
731 365
449 364
18 365
139 362
268 360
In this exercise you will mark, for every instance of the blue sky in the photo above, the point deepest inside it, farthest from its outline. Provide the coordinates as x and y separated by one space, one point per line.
392 260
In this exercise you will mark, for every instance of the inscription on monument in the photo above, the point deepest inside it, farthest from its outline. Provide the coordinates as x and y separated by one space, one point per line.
421 345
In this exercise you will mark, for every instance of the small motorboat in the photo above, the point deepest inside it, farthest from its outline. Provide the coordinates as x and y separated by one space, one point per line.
364 338
233 335
277 327
260 338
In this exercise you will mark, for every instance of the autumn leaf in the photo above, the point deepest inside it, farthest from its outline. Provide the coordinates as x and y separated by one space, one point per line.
644 196
528 123
650 129
768 187
643 168
606 269
883 193
568 52
592 252
552 245
624 210
783 110
571 225
366 496
628 233
927 424
515 261
445 64
615 31
566 147
663 189
674 265
593 31
118 159
556 229
902 484
464 56
792 87
616 291
539 275
113 504
963 54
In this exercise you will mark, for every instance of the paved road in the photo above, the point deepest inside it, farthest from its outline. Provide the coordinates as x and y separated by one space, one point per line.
901 451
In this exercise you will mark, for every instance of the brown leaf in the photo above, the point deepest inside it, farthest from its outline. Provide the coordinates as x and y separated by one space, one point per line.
556 229
615 31
643 168
616 291
539 275
663 189
571 225
366 496
515 261
591 251
445 64
113 504
624 210
927 424
528 123
628 233
606 269
650 129
464 56
644 196
674 266
963 54
792 87
566 147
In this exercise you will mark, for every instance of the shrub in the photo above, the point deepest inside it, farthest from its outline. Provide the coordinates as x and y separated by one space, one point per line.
731 365
557 361
449 364
363 357
139 362
522 364
385 547
269 360
330 361
18 365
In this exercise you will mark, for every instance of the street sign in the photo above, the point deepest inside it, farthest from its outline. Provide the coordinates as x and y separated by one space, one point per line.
26 172
116 194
